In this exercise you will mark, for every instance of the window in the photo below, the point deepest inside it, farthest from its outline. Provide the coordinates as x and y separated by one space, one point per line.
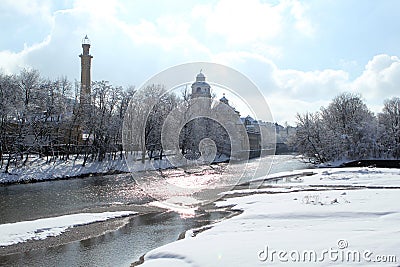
198 90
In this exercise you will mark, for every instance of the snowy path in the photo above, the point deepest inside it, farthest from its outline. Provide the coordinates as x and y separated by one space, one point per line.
356 221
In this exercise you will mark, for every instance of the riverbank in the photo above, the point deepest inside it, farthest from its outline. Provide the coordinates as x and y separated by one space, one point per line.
39 170
337 217
377 163
142 221
72 234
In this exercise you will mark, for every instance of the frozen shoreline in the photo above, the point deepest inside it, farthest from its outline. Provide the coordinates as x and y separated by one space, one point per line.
348 210
40 229
37 170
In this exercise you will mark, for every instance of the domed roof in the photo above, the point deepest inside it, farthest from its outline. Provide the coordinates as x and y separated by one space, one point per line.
224 99
200 77
200 88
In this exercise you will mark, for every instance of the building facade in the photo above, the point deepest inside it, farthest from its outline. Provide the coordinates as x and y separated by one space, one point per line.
219 121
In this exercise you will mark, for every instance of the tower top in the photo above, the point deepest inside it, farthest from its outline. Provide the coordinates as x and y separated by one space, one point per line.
200 88
86 40
200 77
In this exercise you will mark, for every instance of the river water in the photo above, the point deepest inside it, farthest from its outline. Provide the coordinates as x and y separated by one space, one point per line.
118 248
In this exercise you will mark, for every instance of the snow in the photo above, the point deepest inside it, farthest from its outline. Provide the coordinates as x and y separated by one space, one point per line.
357 215
367 177
182 205
13 233
37 169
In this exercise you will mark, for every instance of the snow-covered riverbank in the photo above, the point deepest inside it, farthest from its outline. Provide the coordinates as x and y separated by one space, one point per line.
14 233
335 217
37 169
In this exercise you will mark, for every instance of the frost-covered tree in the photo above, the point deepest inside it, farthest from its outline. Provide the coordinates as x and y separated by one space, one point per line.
310 137
104 118
353 126
156 118
389 128
10 103
42 117
144 119
344 130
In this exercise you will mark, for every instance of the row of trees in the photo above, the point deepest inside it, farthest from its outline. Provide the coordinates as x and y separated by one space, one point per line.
43 117
157 119
348 130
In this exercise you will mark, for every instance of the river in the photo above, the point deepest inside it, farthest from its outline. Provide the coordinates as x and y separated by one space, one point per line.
117 248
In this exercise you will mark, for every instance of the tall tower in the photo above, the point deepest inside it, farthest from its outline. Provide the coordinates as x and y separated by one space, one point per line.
86 59
200 88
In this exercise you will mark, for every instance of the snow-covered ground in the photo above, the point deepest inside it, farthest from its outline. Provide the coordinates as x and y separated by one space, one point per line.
335 217
13 233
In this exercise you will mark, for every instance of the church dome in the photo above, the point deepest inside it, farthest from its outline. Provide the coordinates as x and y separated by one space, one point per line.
200 88
200 77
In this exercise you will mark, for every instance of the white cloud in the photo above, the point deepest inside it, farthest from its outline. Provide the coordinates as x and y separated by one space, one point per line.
284 108
246 22
312 84
302 23
380 78
27 7
241 21
99 9
12 62
307 91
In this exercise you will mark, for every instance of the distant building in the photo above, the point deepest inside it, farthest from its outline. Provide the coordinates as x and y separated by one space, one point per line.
283 135
222 122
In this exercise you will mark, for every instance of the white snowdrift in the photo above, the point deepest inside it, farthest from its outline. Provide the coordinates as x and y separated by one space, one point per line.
13 233
330 226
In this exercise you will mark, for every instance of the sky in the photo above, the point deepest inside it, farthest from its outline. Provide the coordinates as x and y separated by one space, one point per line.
300 54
